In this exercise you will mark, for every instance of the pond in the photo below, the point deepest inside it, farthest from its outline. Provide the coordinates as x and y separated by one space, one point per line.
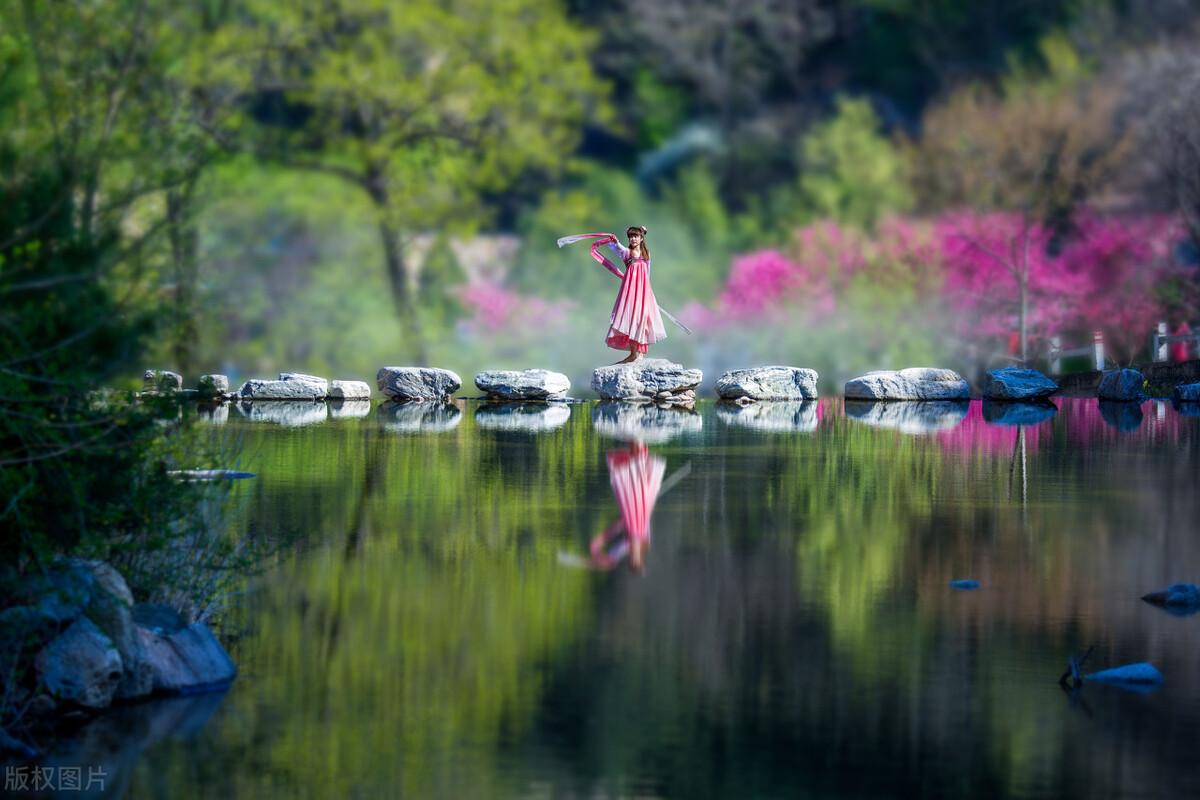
603 600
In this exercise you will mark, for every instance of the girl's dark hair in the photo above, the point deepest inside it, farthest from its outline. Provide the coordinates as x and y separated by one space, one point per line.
642 230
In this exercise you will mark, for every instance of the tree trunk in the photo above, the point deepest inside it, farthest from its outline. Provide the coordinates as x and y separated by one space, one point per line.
402 293
181 231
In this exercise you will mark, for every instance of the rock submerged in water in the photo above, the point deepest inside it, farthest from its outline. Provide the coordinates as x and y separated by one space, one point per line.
779 416
915 383
912 416
654 379
1017 383
1186 393
965 584
1180 596
768 383
1140 674
523 384
417 383
1121 384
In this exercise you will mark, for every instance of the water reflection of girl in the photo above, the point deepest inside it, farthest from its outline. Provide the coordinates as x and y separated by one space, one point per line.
636 476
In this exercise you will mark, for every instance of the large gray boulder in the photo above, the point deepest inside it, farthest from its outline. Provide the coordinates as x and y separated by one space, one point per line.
915 383
647 378
212 385
81 665
768 383
110 610
415 417
523 384
523 417
293 414
914 417
292 388
777 417
1121 384
187 660
417 383
637 422
161 380
1017 383
1187 393
349 390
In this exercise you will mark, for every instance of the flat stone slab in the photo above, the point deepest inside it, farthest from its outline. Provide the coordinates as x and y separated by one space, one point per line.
635 422
523 417
779 416
417 383
915 383
646 378
768 383
418 417
914 417
1007 412
349 390
523 384
1121 384
294 414
259 389
1187 393
1017 383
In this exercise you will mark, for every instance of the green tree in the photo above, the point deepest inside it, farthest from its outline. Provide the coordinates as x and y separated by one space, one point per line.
426 107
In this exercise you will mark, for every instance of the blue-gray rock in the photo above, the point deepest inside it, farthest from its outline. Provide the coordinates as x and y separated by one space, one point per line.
914 416
110 609
524 417
647 378
81 665
157 618
1017 383
161 380
1121 384
778 416
1141 673
349 390
190 475
1017 413
212 385
417 383
768 383
1186 393
187 660
1177 595
917 383
418 417
523 384
965 584
640 422
1122 415
289 414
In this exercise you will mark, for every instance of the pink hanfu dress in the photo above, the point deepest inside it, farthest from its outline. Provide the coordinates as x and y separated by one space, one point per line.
635 323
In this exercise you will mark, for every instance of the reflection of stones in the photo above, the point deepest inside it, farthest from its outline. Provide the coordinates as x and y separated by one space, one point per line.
290 414
414 417
643 422
1121 384
775 415
1123 416
648 378
923 416
917 383
768 383
1009 413
529 417
1187 393
349 409
1186 409
213 413
349 390
1016 383
213 385
417 383
523 384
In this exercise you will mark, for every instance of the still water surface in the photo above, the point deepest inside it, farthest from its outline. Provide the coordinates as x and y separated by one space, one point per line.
595 600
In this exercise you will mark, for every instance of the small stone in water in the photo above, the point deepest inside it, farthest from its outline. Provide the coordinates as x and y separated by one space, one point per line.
965 584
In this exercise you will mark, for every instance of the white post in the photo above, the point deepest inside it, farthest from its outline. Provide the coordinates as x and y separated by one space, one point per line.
1055 358
1158 352
1098 346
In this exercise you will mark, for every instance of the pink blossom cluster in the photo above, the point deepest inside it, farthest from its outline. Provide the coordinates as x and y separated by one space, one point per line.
493 308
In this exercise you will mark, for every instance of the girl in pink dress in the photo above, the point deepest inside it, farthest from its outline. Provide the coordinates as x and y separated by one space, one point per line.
636 322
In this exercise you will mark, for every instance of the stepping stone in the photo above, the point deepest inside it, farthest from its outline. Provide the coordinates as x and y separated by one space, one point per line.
645 379
918 383
349 390
1016 383
1121 384
417 383
523 384
768 383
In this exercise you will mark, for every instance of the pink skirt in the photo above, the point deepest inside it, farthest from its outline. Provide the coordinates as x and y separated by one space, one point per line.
636 323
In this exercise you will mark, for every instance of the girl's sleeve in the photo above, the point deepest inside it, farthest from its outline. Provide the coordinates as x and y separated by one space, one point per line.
608 265
621 250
